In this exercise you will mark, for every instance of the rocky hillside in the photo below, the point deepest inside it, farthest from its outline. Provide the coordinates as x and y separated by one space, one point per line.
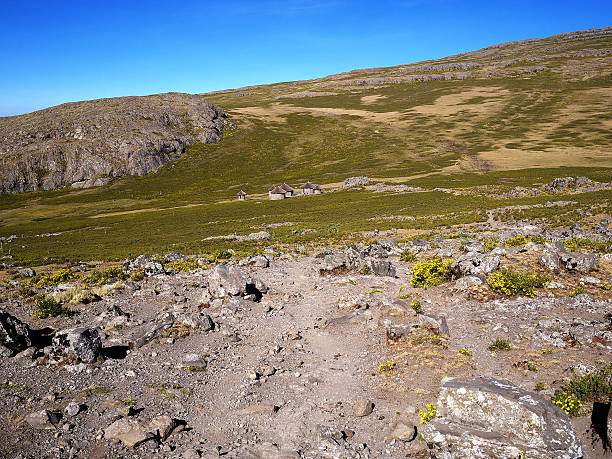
84 143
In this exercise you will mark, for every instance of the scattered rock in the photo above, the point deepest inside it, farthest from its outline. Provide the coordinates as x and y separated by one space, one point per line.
363 408
355 181
162 426
44 419
72 409
475 263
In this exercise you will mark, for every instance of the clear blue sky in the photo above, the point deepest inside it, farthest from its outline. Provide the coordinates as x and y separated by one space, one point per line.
59 51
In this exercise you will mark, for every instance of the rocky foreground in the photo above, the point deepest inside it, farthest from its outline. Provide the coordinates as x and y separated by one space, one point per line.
334 353
84 144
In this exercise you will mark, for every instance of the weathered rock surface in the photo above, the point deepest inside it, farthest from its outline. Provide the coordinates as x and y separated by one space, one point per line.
132 432
582 262
474 263
84 143
490 418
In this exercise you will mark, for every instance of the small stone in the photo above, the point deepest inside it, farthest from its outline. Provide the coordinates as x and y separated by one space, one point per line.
163 425
129 431
363 407
72 409
43 419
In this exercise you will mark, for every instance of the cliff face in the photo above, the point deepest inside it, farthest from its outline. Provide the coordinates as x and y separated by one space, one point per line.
84 143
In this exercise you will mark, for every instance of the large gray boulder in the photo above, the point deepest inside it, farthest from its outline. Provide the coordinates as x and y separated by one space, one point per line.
79 343
14 334
490 418
474 263
226 281
582 262
550 260
381 267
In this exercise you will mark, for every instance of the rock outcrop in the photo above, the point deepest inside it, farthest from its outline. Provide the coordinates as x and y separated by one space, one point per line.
490 418
84 143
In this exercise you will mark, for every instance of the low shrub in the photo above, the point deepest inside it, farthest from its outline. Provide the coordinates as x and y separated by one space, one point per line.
106 276
51 279
416 306
500 344
568 402
465 351
47 306
137 275
509 282
180 266
597 384
490 244
408 256
577 244
430 272
519 240
219 255
429 414
387 367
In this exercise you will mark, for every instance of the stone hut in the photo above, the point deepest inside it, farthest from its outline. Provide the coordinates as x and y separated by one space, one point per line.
241 195
288 190
276 192
316 189
307 188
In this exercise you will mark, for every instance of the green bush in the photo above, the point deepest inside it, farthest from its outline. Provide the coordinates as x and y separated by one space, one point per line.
51 279
597 384
576 244
517 241
106 276
568 402
509 282
47 306
183 265
408 256
490 244
500 344
430 272
137 275
219 255
416 306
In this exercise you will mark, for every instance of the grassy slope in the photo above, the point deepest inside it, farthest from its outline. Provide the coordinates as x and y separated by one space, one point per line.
455 133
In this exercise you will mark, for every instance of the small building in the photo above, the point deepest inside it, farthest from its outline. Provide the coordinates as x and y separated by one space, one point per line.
307 188
241 195
316 189
288 190
276 192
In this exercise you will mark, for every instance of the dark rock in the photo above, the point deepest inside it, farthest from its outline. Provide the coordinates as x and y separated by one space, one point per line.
152 334
14 334
79 343
486 417
382 268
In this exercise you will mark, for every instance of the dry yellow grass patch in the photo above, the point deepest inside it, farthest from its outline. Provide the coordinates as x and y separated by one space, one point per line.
513 158
452 104
372 98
